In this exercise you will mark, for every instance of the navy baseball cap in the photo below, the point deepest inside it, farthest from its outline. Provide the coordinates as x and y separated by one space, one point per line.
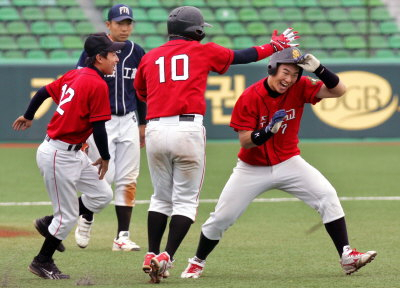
120 12
100 42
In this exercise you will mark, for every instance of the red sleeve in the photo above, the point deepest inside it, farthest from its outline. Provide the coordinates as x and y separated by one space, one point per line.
53 89
100 103
220 57
243 115
140 84
311 88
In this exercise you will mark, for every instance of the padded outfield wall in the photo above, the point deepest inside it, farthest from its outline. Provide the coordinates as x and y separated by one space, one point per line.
370 108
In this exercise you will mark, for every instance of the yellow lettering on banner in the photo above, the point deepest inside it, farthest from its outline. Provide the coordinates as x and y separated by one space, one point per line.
225 97
38 83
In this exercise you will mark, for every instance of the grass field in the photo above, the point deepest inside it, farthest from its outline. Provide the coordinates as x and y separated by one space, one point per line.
274 244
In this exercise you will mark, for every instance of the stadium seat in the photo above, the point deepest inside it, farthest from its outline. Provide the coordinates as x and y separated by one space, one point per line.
151 42
41 28
54 13
217 29
263 3
13 54
388 27
248 14
320 54
59 54
354 42
377 41
280 26
130 3
225 14
17 27
385 53
84 28
63 27
271 14
346 27
208 15
306 3
243 42
366 27
67 3
223 41
375 3
103 3
314 14
32 13
332 42
3 29
50 42
139 14
23 2
358 14
258 28
304 27
76 54
285 3
361 53
46 2
329 3
341 53
394 41
157 14
162 28
149 3
337 14
145 28
72 42
235 28
195 3
218 3
292 14
27 42
380 14
351 3
75 13
310 42
36 54
7 43
324 28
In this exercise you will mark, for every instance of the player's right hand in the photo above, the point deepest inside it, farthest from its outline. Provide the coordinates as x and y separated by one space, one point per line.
276 121
280 42
103 167
21 123
308 62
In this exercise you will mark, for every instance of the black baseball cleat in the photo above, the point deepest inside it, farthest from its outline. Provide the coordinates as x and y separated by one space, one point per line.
46 270
42 225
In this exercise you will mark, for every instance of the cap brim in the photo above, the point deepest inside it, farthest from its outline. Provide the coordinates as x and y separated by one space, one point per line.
121 18
115 46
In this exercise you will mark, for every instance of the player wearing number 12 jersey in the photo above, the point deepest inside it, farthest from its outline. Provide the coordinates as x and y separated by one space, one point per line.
83 108
172 79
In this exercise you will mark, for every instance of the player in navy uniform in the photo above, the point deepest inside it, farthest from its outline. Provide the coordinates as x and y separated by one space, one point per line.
125 130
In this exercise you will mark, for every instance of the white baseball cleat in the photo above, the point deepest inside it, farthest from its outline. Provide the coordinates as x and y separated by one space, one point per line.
82 232
352 260
194 269
123 243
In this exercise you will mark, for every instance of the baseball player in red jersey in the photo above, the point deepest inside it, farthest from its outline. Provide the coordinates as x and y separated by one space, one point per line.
172 79
267 118
83 108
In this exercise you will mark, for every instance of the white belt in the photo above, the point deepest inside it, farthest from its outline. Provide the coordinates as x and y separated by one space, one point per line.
63 145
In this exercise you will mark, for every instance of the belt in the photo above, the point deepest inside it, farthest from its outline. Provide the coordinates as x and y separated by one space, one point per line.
63 145
181 118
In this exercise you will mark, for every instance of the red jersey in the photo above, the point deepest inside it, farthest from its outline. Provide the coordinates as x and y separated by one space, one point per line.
255 108
82 98
172 78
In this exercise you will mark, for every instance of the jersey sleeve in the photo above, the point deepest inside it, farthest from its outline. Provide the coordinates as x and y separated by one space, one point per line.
243 116
220 57
311 87
100 104
54 89
139 83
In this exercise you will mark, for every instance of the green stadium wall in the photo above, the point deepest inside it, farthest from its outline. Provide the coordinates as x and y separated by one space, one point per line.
368 110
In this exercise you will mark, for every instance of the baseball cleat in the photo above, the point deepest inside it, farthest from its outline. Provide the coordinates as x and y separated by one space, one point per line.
159 266
46 270
42 226
352 260
194 269
123 243
147 262
82 232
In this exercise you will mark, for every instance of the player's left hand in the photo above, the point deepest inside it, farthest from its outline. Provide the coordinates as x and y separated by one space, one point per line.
308 62
280 42
103 167
21 123
276 121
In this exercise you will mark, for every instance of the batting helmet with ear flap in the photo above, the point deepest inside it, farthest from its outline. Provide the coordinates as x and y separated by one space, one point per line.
187 21
288 55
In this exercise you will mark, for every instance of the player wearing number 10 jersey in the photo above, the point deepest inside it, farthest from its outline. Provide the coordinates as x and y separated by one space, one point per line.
172 79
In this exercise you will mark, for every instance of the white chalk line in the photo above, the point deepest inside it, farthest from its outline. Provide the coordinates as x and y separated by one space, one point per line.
258 200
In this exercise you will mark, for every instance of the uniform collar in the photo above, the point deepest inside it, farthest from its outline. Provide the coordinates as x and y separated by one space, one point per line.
271 93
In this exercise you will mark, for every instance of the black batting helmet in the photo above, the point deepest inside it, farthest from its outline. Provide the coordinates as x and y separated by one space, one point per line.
187 21
288 55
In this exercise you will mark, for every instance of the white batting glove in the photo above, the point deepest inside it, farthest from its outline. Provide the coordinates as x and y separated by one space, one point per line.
308 62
